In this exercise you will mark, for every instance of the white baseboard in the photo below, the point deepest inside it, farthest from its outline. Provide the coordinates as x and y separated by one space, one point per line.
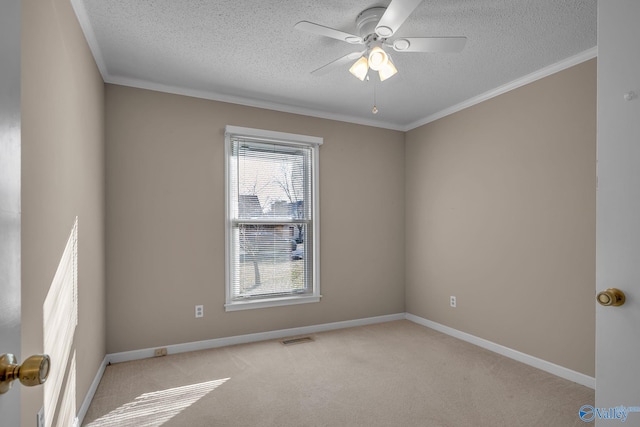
221 342
282 333
552 368
127 356
92 391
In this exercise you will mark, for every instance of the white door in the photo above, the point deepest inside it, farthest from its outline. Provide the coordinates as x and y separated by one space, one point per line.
10 198
618 212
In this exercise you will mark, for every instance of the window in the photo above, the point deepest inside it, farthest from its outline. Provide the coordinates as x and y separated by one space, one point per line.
272 218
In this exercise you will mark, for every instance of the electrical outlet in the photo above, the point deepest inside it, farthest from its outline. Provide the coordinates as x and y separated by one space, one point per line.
199 311
160 352
452 301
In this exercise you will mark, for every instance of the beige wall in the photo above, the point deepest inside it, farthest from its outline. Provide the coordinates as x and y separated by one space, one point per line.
501 213
165 220
62 177
498 209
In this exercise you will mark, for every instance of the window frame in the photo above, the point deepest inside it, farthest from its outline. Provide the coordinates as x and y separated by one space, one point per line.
284 139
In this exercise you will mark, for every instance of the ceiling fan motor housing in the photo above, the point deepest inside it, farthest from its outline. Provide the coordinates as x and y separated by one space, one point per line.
367 20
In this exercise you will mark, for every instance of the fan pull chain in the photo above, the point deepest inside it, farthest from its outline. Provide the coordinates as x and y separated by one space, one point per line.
374 110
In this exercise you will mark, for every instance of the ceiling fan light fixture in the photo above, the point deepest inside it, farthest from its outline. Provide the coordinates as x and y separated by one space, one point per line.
377 58
388 70
360 68
375 26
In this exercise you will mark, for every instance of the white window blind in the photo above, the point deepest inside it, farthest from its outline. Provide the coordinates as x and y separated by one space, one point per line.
272 225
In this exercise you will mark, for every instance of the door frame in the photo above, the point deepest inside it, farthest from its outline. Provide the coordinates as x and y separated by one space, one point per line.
10 218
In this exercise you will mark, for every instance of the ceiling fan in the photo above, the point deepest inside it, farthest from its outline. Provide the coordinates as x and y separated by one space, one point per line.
376 26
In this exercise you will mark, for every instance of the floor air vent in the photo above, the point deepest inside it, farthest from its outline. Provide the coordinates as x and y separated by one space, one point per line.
299 340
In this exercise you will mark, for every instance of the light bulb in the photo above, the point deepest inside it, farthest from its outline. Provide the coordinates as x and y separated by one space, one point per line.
374 110
377 58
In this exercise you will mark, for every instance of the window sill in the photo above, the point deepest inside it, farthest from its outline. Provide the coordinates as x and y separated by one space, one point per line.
275 302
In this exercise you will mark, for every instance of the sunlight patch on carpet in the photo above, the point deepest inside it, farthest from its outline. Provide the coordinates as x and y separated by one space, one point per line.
155 408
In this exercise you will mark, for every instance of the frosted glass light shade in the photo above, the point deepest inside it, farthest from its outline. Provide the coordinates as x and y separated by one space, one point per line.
360 68
377 58
387 70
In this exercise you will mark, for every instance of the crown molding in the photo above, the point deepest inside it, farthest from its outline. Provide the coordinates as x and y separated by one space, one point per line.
529 78
92 41
90 36
87 28
248 102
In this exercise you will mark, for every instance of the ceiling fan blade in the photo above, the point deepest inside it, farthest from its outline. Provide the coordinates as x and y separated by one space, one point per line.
340 61
395 15
430 44
321 30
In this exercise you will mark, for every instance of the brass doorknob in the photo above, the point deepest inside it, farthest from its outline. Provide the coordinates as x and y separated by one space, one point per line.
611 296
33 371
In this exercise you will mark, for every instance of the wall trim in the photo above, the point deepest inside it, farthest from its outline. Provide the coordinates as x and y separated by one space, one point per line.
87 28
544 365
248 102
128 356
529 78
82 412
89 35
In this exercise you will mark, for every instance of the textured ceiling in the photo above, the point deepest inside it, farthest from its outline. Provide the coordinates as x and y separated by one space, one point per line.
247 51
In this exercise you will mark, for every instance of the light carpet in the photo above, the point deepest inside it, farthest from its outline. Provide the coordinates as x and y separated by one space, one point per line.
389 374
